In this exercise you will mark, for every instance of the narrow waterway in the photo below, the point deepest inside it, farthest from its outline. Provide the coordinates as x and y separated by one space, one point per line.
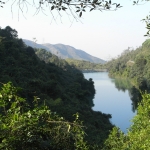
108 99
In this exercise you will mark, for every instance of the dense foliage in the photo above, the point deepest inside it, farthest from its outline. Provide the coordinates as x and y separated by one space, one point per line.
134 65
23 128
61 87
138 136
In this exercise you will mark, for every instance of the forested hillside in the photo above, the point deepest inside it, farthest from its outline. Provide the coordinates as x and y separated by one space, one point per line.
138 135
85 65
134 65
55 83
72 63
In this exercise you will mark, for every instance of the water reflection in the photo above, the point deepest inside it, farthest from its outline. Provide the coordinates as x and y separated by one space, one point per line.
112 97
134 93
122 84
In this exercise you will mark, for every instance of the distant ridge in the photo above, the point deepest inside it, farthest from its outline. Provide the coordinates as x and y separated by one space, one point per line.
65 51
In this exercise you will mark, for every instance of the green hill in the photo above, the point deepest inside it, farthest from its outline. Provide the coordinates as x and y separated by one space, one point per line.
134 64
60 86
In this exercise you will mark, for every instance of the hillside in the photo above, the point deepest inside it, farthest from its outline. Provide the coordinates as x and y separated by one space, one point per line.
82 65
134 65
60 86
65 51
86 66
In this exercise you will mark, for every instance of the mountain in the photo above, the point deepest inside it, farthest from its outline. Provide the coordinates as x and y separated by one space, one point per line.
65 51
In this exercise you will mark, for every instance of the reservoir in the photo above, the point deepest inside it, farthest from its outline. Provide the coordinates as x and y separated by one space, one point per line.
108 99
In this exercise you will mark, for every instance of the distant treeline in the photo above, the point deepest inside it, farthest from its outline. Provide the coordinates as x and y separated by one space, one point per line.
81 65
85 65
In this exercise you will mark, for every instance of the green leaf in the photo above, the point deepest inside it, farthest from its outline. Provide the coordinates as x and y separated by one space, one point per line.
91 9
118 5
80 14
64 8
52 7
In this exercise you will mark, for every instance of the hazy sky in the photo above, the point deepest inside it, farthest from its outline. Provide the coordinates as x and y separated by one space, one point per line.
101 34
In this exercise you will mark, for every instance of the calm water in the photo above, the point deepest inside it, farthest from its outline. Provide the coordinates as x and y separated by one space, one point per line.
108 99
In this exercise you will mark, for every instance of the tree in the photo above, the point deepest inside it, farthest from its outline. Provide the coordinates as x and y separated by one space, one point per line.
147 19
138 135
74 8
38 128
1 4
8 33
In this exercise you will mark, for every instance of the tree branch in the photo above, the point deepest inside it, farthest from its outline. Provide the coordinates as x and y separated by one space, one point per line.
76 8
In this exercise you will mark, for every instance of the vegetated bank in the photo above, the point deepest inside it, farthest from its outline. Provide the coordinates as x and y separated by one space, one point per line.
134 66
54 83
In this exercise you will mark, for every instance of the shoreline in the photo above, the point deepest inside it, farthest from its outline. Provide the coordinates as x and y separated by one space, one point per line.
93 70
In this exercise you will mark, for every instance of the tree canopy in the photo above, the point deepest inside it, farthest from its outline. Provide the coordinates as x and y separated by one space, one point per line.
37 128
61 89
138 135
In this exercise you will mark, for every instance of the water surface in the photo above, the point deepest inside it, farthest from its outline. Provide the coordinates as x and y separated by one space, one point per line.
108 99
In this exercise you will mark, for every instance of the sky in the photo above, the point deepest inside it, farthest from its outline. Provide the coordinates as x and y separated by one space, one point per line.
103 34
